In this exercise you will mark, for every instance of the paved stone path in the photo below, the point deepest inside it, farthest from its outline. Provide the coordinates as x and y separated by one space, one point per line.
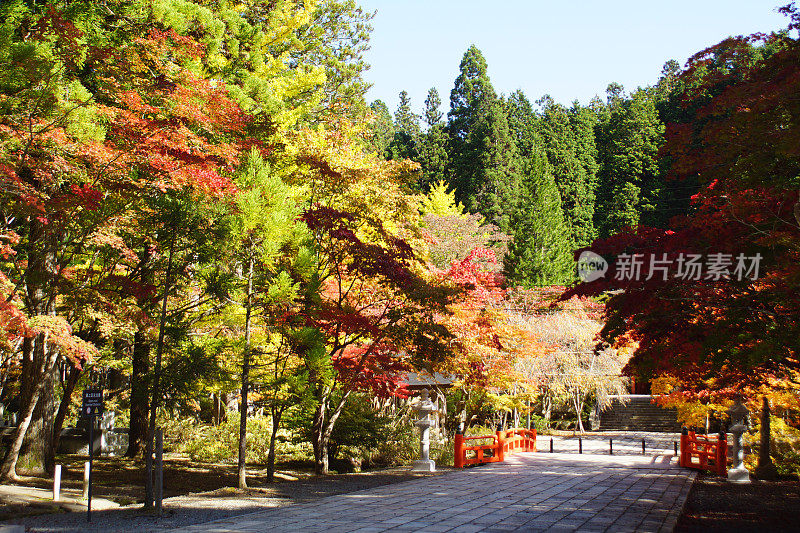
555 492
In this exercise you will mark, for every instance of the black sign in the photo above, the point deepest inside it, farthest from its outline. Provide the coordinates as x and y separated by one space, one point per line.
92 402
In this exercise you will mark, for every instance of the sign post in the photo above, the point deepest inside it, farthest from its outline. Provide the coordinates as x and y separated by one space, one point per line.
91 406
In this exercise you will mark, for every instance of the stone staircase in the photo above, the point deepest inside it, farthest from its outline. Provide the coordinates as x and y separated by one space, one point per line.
636 412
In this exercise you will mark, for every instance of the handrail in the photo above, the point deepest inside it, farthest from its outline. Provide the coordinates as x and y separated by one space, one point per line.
704 452
480 437
503 442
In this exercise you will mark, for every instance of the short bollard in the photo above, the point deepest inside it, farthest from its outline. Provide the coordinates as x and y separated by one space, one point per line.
551 445
580 445
57 483
642 446
610 446
676 447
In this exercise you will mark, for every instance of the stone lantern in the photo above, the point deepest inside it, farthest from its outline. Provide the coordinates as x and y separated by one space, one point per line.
425 407
738 413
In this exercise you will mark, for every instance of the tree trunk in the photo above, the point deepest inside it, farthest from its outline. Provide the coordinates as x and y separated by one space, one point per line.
322 430
35 454
317 431
40 275
578 409
151 430
37 451
140 402
8 470
245 381
66 399
277 413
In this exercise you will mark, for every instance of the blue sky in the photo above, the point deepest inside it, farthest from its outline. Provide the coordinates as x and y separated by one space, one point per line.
571 50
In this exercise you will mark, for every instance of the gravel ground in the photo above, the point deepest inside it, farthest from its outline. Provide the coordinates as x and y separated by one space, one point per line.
203 507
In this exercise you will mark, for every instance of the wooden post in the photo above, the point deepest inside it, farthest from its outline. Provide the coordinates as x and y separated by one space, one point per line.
580 445
610 446
551 444
57 483
458 459
643 452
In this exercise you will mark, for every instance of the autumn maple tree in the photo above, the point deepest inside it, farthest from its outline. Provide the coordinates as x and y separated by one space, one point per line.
733 327
88 128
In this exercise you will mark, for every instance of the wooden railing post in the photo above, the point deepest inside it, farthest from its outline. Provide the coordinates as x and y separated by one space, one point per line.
460 453
501 455
711 453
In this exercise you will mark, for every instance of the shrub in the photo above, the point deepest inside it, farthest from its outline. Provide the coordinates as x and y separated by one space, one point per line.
784 447
219 444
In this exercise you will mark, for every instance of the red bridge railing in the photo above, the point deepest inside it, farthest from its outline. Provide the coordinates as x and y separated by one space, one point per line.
503 443
704 452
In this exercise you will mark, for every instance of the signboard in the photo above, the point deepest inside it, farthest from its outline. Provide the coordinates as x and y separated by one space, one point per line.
92 406
92 402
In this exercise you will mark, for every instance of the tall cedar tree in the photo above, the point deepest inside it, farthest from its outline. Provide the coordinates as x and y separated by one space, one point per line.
381 129
541 251
405 143
582 206
569 143
433 153
432 115
630 176
484 164
523 124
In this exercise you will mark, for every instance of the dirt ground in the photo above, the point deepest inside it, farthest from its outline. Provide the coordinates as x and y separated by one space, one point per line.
121 480
759 506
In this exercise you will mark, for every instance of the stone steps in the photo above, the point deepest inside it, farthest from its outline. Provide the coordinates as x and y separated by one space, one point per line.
638 413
